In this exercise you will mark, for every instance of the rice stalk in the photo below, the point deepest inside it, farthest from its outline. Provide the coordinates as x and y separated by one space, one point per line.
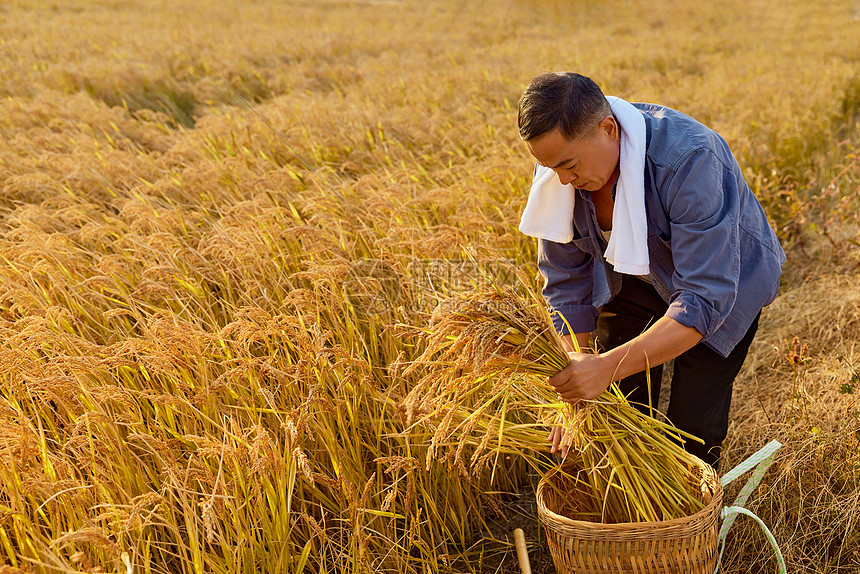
630 465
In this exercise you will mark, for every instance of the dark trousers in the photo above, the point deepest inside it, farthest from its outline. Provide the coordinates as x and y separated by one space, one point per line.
701 392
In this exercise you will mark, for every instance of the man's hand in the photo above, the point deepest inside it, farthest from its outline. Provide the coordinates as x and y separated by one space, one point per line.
585 377
589 375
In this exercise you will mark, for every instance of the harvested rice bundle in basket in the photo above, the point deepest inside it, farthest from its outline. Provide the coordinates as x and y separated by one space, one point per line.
622 466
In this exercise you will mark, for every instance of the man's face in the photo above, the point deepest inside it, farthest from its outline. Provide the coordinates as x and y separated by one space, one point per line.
586 163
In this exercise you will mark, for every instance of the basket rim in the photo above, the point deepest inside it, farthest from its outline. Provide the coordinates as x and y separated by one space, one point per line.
545 513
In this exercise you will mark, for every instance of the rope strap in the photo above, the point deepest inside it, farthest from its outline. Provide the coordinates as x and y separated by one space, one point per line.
758 463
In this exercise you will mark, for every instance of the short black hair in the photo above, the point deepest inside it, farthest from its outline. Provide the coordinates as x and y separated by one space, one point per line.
571 102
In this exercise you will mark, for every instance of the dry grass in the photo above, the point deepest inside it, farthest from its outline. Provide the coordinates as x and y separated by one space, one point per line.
198 332
806 394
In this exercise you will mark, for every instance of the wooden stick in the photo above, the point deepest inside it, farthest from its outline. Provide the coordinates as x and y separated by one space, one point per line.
522 551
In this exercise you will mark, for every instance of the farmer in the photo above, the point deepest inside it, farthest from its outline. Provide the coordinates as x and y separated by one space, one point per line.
650 239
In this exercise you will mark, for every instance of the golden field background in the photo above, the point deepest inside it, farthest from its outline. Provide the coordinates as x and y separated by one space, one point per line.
202 335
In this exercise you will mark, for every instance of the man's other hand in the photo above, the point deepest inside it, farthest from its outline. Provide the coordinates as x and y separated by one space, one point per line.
556 438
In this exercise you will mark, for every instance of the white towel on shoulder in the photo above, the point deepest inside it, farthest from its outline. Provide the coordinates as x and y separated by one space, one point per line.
549 209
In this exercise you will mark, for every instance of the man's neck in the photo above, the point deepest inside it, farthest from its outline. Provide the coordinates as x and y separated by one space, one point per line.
604 202
611 181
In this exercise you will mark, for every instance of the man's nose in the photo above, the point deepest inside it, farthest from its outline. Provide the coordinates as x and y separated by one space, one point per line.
566 176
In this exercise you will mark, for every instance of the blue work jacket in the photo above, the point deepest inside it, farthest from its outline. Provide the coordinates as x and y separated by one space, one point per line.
714 258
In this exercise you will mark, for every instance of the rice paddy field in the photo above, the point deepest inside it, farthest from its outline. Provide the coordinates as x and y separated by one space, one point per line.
223 226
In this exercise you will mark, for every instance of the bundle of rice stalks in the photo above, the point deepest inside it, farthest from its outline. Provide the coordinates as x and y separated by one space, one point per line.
626 466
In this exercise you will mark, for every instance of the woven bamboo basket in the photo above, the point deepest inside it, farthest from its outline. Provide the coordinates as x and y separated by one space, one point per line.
685 545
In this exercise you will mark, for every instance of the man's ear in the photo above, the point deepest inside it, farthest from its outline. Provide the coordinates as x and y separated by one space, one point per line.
610 127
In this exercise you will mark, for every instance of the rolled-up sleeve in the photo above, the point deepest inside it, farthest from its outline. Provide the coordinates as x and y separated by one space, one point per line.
703 206
568 285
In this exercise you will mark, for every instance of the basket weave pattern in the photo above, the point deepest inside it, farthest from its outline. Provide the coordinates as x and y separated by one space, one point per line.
685 545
